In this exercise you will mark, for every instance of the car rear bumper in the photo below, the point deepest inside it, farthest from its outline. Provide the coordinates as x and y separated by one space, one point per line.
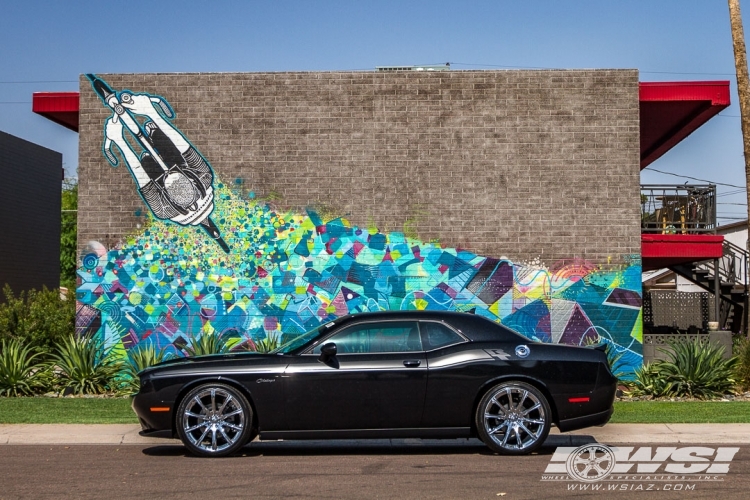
596 419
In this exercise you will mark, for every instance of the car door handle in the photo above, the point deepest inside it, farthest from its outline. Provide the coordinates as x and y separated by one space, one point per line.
412 363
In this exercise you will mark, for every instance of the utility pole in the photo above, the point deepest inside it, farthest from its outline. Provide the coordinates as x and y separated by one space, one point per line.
743 89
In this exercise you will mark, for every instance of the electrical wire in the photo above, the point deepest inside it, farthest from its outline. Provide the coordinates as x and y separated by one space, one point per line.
696 178
41 81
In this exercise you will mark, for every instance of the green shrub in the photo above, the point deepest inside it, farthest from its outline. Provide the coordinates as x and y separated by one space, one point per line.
694 369
69 233
138 359
22 370
85 366
37 318
742 371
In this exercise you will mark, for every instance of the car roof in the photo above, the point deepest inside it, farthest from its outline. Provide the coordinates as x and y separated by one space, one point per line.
413 315
473 326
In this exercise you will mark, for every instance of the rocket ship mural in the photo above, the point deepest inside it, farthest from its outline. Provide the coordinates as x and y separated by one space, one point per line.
173 178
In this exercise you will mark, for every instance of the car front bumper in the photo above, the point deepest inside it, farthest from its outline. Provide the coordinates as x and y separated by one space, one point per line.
154 415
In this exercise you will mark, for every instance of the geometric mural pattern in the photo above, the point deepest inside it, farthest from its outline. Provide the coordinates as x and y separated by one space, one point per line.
288 273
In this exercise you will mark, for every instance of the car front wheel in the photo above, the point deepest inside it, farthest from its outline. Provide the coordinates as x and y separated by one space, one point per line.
513 418
214 420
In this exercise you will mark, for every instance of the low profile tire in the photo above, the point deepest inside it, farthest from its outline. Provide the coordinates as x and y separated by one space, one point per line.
214 420
513 418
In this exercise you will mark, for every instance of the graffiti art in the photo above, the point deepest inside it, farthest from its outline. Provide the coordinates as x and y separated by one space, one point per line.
174 179
291 271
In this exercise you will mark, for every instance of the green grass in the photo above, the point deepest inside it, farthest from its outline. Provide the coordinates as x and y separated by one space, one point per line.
118 411
681 412
66 411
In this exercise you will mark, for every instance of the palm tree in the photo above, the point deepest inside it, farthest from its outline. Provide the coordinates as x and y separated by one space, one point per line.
743 89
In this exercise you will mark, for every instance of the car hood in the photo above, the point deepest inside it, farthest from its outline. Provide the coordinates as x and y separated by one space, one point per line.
209 359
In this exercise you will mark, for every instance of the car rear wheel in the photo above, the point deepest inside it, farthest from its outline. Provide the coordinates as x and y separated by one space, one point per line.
214 420
513 418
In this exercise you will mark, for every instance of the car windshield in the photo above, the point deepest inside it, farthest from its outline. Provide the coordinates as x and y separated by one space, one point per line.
301 340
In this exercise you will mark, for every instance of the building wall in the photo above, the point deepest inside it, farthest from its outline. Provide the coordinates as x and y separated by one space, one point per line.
512 193
30 192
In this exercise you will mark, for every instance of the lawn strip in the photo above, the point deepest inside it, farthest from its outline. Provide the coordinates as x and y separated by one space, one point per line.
42 410
66 411
681 412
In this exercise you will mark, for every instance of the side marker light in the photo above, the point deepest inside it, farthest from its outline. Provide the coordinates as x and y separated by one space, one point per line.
159 408
579 400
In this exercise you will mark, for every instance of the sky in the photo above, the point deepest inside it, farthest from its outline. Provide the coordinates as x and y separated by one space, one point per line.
46 45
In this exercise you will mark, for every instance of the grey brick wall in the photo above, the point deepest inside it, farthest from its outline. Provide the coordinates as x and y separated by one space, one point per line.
30 190
523 164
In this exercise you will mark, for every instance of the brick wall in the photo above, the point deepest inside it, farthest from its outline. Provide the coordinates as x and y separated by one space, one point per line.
523 164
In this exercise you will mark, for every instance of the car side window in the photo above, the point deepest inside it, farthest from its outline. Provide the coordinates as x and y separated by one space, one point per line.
435 335
392 336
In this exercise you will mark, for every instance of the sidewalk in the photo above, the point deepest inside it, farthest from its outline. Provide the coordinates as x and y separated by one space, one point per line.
123 434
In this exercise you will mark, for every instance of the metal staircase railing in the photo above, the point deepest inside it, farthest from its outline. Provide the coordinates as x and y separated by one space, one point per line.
733 264
728 275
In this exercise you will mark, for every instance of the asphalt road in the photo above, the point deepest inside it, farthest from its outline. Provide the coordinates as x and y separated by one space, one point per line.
319 470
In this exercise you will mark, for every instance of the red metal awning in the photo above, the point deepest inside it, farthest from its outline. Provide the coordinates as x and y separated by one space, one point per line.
670 111
60 107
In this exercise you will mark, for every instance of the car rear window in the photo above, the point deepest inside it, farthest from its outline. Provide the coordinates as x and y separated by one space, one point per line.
436 335
480 329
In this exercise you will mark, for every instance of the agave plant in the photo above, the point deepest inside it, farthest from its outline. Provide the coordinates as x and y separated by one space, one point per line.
698 370
693 369
742 369
617 364
85 365
138 359
22 371
268 344
615 357
209 343
648 381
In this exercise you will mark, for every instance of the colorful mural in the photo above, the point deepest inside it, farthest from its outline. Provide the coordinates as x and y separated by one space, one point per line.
289 272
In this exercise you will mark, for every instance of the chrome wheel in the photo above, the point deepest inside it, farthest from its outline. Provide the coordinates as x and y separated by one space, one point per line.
214 420
513 418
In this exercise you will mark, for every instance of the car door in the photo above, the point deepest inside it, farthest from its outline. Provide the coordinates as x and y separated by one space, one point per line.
455 372
377 380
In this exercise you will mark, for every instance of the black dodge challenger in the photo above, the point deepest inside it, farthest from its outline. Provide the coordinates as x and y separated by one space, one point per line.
417 374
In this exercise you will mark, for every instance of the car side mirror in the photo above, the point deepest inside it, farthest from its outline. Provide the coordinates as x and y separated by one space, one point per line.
327 351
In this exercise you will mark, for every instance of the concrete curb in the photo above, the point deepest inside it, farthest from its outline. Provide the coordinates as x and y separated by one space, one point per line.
669 433
126 434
